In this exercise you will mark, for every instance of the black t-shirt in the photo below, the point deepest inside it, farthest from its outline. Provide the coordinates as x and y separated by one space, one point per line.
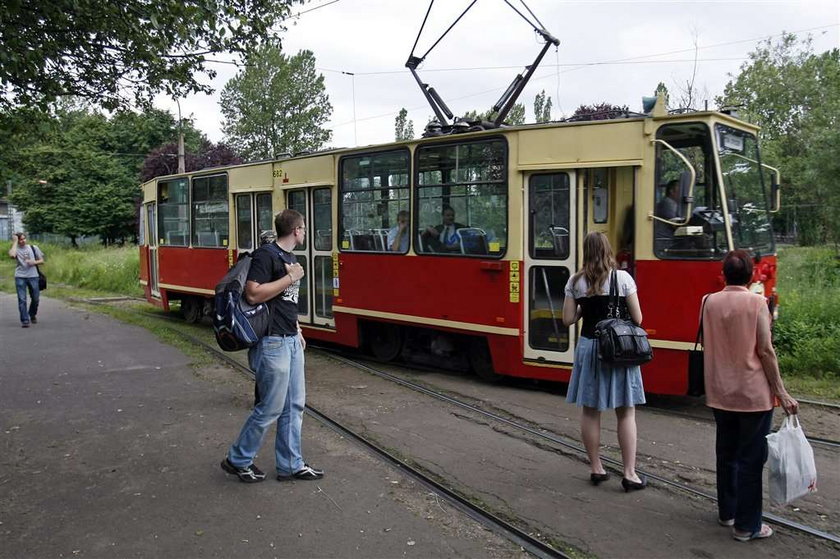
268 265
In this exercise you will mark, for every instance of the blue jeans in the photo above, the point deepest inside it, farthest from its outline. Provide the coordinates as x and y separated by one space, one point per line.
278 365
21 285
741 448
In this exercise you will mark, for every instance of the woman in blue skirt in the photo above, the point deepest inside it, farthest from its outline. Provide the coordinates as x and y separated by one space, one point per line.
597 386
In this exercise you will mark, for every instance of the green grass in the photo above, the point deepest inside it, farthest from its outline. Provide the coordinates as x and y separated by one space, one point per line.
84 272
807 334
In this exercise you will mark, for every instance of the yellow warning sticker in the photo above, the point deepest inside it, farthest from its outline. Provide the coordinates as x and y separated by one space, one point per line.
514 266
514 297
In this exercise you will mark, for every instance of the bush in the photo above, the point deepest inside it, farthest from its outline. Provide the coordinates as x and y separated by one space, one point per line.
107 269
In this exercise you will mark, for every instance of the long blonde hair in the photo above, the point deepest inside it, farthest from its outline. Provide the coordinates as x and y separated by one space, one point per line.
598 262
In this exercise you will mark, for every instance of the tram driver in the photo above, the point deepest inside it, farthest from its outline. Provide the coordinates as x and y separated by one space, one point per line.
444 237
667 208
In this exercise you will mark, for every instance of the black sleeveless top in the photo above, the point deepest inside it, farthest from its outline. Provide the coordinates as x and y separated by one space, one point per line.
595 307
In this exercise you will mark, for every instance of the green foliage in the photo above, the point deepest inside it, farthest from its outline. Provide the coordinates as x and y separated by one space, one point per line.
75 172
794 95
403 128
116 53
599 111
807 334
276 105
542 107
515 117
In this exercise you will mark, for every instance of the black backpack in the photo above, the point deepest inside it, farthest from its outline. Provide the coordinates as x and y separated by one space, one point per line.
237 323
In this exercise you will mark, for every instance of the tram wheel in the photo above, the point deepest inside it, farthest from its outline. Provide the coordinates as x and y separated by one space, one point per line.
481 361
385 341
191 308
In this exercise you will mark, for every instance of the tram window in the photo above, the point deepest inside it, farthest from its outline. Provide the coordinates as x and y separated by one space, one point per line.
173 212
244 236
296 200
703 237
600 195
545 308
549 208
210 211
462 199
323 286
265 217
322 215
374 190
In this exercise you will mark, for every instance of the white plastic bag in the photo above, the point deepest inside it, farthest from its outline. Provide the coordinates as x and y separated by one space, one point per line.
792 469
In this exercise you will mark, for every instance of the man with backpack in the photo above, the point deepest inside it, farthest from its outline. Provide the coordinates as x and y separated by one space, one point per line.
26 277
277 360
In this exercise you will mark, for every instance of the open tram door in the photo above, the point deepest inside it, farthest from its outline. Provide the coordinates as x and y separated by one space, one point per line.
550 259
315 300
152 236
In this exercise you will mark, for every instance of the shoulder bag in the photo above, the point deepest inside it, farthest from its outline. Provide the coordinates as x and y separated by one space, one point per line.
42 279
696 384
620 341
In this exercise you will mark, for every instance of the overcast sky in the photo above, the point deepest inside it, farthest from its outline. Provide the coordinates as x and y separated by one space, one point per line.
613 51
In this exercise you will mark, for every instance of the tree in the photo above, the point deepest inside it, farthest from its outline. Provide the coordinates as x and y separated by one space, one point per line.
662 89
164 160
116 53
794 95
515 117
542 107
276 105
599 111
403 128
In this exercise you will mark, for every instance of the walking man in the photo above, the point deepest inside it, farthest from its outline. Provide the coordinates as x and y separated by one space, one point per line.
277 360
26 277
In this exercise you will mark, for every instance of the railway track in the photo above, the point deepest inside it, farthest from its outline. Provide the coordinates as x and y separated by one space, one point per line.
487 518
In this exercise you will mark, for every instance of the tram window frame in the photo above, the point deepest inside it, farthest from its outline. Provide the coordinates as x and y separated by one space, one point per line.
211 207
361 203
706 194
457 194
173 201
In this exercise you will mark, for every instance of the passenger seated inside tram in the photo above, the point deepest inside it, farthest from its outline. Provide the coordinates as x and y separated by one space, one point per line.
667 208
443 237
398 234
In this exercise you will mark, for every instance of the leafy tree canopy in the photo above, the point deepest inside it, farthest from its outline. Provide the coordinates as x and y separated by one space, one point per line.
542 107
599 111
403 128
119 53
164 160
794 95
277 104
515 117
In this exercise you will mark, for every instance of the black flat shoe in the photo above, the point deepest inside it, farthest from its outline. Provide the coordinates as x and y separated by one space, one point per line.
598 478
632 485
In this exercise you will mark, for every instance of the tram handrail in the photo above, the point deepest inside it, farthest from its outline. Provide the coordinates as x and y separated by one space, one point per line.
689 196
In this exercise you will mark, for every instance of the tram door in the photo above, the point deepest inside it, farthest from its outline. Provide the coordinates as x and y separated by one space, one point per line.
152 224
550 247
315 299
253 216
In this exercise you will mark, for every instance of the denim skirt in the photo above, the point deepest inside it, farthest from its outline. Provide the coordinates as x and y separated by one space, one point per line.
599 385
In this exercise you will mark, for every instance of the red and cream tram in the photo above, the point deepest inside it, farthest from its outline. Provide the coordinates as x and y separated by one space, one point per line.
523 198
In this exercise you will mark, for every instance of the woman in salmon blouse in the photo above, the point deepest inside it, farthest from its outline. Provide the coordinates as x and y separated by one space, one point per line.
742 382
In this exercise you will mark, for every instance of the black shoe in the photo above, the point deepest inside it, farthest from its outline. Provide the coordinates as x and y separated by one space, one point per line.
306 473
595 479
33 320
248 474
633 485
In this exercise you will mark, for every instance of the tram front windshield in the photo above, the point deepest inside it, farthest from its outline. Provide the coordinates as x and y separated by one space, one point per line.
746 195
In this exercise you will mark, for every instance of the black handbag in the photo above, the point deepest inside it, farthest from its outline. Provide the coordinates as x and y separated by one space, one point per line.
620 341
696 384
42 279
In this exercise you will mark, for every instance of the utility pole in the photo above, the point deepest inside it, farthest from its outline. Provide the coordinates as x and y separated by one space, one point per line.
181 166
